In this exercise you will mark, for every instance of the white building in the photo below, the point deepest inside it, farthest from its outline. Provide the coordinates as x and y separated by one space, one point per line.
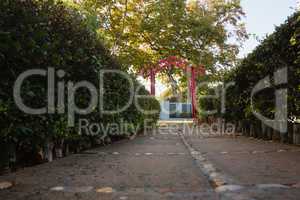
175 110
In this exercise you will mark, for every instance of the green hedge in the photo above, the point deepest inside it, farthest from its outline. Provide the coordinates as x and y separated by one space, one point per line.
38 34
279 50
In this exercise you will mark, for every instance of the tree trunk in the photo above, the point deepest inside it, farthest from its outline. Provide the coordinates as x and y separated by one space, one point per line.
290 133
174 85
59 148
239 127
48 151
256 130
269 133
296 134
13 157
246 126
4 158
66 149
252 130
276 135
264 131
284 138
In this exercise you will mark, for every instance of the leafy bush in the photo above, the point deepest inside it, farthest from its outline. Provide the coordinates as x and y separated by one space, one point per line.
39 34
279 50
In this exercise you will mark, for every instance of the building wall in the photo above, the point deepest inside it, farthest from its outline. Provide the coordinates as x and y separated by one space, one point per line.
165 109
165 112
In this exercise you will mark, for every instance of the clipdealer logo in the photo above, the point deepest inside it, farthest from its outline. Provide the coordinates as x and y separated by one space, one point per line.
57 104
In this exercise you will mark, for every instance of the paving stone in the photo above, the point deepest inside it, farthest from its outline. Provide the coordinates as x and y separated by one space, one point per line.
5 185
105 190
229 188
264 186
70 189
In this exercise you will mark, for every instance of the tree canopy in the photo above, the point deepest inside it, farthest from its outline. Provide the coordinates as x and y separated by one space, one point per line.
141 32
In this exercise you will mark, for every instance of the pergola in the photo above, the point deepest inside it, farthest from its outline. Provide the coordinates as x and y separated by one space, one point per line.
169 63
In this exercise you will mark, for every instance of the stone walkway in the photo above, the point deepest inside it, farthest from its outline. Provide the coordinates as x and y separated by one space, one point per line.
248 168
168 165
148 167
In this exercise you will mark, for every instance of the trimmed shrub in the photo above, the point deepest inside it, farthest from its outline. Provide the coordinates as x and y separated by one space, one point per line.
279 50
41 34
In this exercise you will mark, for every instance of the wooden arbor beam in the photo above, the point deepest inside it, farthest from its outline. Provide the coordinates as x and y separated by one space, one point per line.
170 62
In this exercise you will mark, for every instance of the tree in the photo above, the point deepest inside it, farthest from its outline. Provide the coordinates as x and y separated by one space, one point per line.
141 32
